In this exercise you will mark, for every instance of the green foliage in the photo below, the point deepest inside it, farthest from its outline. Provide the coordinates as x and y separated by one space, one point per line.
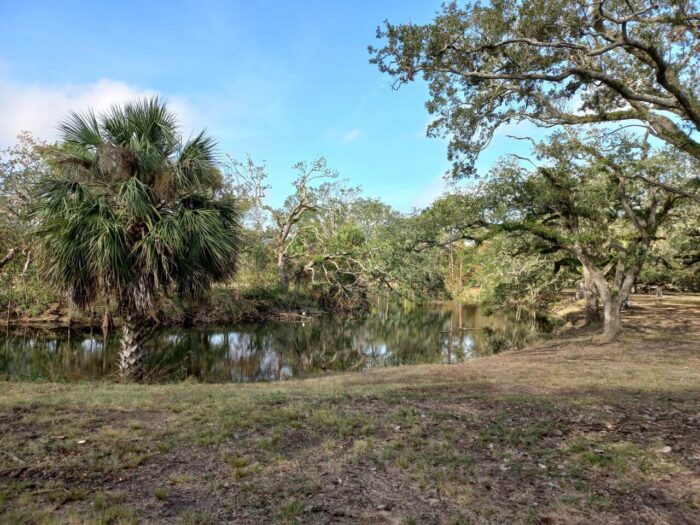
581 208
551 62
505 271
601 201
326 241
21 167
586 202
133 213
674 260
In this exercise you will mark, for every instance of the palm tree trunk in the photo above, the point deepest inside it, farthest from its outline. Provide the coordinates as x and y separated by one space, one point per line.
132 355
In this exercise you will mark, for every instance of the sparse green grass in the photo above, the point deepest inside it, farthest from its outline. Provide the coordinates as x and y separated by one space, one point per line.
195 517
162 493
292 509
117 515
576 428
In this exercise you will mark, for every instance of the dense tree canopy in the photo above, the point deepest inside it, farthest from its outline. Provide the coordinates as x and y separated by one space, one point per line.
578 200
552 62
599 205
325 236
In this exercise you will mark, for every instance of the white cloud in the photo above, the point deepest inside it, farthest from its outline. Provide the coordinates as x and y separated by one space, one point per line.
39 108
351 136
344 137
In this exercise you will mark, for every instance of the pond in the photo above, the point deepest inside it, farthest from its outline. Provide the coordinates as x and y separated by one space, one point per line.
387 336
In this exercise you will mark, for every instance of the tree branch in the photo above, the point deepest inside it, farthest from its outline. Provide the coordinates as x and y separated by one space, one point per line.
8 257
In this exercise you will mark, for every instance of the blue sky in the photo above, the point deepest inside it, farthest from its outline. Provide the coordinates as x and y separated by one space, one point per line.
283 81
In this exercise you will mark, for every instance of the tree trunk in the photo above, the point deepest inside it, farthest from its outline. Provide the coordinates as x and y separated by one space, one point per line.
452 269
612 305
282 271
612 318
27 263
132 355
592 315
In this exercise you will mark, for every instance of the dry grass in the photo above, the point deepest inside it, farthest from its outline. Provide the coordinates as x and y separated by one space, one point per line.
569 431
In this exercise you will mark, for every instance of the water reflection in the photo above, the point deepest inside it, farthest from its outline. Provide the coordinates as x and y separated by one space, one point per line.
388 336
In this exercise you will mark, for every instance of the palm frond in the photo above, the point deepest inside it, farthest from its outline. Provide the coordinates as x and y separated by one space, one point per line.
58 196
80 143
196 164
137 201
116 125
65 226
153 124
81 130
210 228
138 214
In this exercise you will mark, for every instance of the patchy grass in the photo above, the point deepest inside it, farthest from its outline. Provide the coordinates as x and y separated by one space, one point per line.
569 431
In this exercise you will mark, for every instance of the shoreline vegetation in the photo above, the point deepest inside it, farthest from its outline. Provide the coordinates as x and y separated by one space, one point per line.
573 429
224 306
229 306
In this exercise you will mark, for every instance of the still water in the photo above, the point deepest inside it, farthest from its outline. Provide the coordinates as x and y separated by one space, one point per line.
387 336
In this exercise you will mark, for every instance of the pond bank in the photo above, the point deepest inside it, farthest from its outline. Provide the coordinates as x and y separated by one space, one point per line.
222 308
387 335
567 431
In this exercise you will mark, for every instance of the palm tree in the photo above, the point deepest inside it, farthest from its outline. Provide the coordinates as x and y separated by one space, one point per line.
133 213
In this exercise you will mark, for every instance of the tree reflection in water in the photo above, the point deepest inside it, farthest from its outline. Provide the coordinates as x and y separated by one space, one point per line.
387 336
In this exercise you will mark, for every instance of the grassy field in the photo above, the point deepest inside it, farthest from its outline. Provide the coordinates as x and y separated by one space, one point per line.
570 431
